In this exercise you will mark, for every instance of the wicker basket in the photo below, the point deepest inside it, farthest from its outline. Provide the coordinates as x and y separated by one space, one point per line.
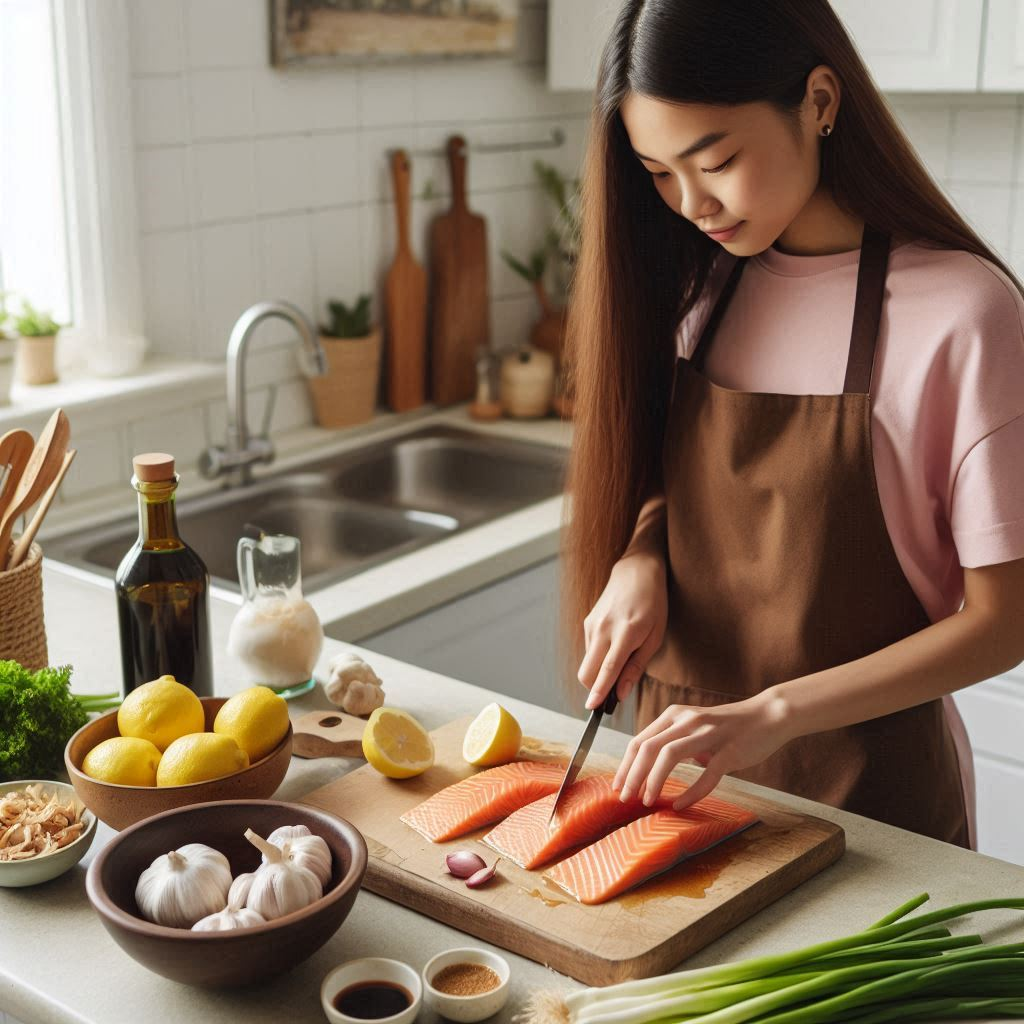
347 393
22 632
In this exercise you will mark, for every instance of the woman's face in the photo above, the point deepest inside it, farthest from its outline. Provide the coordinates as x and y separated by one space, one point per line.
749 170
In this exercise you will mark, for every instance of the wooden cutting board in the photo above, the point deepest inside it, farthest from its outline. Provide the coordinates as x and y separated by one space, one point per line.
406 301
644 932
460 321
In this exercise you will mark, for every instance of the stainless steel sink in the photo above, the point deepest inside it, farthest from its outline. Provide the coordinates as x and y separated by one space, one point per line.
352 510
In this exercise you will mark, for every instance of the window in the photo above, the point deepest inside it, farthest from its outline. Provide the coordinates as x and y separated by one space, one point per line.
33 232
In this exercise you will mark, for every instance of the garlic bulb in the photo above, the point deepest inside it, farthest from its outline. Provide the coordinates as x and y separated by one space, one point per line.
353 685
279 887
183 886
234 915
239 891
301 847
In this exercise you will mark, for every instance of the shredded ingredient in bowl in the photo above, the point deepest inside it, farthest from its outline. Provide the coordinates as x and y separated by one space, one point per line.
34 823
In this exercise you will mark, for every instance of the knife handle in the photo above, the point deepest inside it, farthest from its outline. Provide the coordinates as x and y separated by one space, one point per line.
611 701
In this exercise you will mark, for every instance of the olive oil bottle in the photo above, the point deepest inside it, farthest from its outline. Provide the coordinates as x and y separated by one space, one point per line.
162 590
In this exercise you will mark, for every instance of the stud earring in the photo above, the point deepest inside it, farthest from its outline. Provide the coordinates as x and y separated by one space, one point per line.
826 129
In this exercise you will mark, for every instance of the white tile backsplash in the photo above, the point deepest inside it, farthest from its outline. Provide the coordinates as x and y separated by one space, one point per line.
159 111
258 182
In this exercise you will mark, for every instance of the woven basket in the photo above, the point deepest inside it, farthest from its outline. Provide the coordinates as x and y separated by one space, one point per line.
347 393
22 632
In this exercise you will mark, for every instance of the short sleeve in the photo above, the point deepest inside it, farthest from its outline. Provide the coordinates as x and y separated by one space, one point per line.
987 514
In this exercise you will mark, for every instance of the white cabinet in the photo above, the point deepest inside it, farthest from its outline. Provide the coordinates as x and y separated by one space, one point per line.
502 637
993 712
909 46
917 45
1004 46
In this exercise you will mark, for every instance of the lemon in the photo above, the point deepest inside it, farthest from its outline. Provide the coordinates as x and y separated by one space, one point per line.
199 757
396 744
493 737
160 711
123 760
256 719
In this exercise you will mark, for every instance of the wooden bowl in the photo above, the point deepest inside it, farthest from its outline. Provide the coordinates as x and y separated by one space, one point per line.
242 956
121 806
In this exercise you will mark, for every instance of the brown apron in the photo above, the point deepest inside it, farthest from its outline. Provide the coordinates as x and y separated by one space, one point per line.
781 566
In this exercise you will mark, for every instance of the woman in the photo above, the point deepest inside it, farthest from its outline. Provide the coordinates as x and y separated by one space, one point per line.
772 535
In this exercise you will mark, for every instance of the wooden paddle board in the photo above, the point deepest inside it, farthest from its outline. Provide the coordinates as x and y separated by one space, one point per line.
406 302
645 932
460 313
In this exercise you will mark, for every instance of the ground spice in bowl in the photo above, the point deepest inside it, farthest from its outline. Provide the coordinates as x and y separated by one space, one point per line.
465 980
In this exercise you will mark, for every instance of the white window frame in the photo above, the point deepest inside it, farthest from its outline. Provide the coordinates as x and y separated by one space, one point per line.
92 48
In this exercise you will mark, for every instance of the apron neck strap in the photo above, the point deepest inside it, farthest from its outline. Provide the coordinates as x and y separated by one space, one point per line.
867 311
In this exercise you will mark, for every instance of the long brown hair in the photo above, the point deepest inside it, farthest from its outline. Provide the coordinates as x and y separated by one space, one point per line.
641 267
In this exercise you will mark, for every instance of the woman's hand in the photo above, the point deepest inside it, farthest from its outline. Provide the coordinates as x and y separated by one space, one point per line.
625 628
723 739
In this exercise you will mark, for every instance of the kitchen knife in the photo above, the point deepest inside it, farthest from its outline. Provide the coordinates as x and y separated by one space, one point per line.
583 748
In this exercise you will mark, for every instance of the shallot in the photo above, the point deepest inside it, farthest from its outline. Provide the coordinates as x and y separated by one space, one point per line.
464 863
483 876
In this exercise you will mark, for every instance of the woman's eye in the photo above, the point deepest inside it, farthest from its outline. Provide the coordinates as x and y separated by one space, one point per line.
661 174
719 168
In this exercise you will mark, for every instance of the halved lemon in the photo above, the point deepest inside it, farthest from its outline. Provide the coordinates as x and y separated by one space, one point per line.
396 744
493 737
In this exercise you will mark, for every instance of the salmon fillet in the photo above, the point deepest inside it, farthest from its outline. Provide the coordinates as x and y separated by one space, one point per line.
646 847
483 798
589 809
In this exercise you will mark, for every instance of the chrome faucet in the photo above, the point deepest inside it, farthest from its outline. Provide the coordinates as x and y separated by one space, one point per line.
235 459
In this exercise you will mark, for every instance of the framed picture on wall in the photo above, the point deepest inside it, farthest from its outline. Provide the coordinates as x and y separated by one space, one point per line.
311 32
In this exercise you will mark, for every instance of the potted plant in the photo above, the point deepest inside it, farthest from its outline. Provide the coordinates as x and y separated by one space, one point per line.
347 393
6 354
553 260
37 339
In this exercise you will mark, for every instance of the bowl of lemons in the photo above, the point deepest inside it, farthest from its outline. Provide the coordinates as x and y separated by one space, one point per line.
164 747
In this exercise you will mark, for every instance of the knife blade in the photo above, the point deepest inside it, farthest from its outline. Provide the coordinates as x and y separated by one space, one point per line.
583 748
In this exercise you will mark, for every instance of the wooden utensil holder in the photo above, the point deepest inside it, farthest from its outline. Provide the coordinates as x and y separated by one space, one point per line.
22 631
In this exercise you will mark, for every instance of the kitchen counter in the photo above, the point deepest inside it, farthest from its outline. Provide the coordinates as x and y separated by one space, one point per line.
57 963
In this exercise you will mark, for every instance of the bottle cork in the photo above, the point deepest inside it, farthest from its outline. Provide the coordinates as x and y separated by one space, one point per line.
153 467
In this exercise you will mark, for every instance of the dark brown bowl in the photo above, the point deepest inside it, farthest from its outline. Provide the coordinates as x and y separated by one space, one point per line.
121 806
242 956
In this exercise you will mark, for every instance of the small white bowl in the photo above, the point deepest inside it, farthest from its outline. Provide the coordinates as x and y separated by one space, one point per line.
34 870
466 1009
371 968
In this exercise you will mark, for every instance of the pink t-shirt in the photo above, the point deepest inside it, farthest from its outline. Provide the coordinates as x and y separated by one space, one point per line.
948 398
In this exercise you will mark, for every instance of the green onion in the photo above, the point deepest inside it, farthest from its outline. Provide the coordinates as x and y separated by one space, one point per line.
900 968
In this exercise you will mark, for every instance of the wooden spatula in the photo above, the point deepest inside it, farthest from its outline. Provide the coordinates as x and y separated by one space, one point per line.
43 465
460 318
24 542
15 451
406 295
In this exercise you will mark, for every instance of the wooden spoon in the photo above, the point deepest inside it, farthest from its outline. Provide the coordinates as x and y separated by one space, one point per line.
20 552
43 465
15 449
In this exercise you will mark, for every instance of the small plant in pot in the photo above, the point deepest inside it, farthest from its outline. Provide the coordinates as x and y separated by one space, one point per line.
347 393
37 342
554 260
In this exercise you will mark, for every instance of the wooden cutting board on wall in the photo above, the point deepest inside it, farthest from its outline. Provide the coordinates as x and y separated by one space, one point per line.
406 302
460 321
645 932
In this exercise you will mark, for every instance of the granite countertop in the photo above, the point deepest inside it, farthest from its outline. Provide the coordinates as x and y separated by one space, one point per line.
57 963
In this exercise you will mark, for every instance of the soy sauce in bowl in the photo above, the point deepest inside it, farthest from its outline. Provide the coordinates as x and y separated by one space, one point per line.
372 1000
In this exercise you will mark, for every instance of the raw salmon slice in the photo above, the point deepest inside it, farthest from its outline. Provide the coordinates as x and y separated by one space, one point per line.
483 798
646 847
589 809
